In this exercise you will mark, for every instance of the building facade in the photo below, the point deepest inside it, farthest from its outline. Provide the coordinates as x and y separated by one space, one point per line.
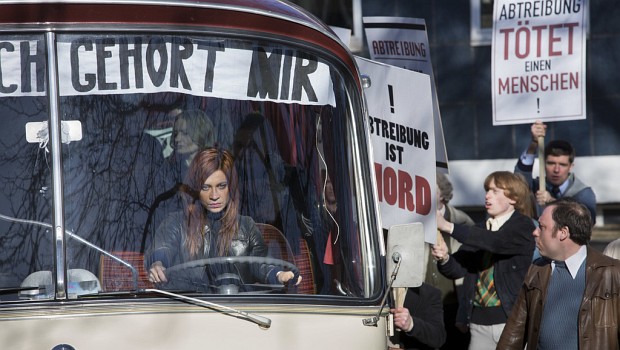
459 34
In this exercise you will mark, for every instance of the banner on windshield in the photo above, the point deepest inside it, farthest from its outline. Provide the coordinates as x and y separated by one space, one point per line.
101 65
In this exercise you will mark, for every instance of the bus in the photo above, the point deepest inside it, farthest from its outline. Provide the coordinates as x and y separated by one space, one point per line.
104 106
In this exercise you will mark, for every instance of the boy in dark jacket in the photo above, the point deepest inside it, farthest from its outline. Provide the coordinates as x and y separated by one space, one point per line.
494 257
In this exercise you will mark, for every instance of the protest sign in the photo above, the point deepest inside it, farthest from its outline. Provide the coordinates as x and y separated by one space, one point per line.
539 61
402 42
402 135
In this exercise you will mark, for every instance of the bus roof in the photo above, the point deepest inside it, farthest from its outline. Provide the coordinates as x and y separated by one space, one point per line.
274 18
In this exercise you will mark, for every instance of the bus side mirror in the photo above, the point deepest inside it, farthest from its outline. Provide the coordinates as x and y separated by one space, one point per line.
406 242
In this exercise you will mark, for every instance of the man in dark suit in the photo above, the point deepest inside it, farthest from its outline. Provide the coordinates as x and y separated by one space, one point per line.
420 319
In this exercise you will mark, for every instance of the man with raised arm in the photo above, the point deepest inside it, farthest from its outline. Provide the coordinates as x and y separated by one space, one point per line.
560 182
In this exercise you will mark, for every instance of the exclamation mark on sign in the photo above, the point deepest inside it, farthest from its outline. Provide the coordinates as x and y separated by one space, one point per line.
391 92
538 104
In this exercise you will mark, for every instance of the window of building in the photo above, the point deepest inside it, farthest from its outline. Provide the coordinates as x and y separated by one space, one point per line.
481 22
339 13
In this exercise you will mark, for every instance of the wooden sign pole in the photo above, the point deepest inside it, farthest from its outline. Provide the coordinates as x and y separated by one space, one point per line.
541 163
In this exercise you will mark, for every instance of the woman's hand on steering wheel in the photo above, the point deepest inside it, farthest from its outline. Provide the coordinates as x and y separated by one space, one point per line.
285 276
157 273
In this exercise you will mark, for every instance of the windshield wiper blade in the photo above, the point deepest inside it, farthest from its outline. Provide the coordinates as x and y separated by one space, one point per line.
261 321
134 271
13 290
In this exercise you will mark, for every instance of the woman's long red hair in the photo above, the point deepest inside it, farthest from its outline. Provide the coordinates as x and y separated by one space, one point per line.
204 164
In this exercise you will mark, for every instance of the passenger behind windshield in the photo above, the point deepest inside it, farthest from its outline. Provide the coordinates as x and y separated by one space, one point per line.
210 226
193 130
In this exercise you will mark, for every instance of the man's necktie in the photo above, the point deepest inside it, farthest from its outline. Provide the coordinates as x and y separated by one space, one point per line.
485 285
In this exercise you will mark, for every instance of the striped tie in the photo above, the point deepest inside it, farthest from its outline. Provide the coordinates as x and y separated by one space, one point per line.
486 295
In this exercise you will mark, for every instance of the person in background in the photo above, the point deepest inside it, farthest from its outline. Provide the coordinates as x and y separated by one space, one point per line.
419 322
494 257
451 290
569 298
559 180
210 226
192 131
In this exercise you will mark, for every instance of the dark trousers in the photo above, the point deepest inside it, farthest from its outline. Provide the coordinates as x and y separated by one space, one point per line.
456 340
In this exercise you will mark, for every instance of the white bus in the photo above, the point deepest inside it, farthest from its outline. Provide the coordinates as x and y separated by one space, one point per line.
100 102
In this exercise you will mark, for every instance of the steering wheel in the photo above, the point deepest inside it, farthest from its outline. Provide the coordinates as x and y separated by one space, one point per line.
191 275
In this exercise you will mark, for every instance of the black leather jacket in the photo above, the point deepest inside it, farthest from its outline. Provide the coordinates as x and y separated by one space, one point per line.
168 247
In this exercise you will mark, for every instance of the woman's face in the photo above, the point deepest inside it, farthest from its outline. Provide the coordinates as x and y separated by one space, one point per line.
214 192
183 143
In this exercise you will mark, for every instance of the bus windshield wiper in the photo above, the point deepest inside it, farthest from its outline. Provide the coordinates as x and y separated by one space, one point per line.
261 321
134 271
13 290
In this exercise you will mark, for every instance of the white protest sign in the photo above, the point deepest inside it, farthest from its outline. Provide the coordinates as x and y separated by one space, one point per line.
402 42
539 61
402 136
125 64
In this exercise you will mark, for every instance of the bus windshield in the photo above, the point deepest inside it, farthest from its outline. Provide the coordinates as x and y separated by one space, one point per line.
135 114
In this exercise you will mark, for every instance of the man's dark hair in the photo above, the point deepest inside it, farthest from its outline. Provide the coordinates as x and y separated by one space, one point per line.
567 212
558 148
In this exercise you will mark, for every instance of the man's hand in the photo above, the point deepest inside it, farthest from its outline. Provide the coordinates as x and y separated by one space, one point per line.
544 197
538 129
444 225
439 251
402 319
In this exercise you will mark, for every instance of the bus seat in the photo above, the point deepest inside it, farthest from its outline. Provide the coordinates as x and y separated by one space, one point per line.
304 264
278 247
277 244
117 277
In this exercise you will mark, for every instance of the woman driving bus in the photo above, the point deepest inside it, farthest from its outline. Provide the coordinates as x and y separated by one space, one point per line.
210 226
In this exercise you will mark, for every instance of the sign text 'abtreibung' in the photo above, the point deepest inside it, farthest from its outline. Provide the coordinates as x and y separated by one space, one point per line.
101 65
